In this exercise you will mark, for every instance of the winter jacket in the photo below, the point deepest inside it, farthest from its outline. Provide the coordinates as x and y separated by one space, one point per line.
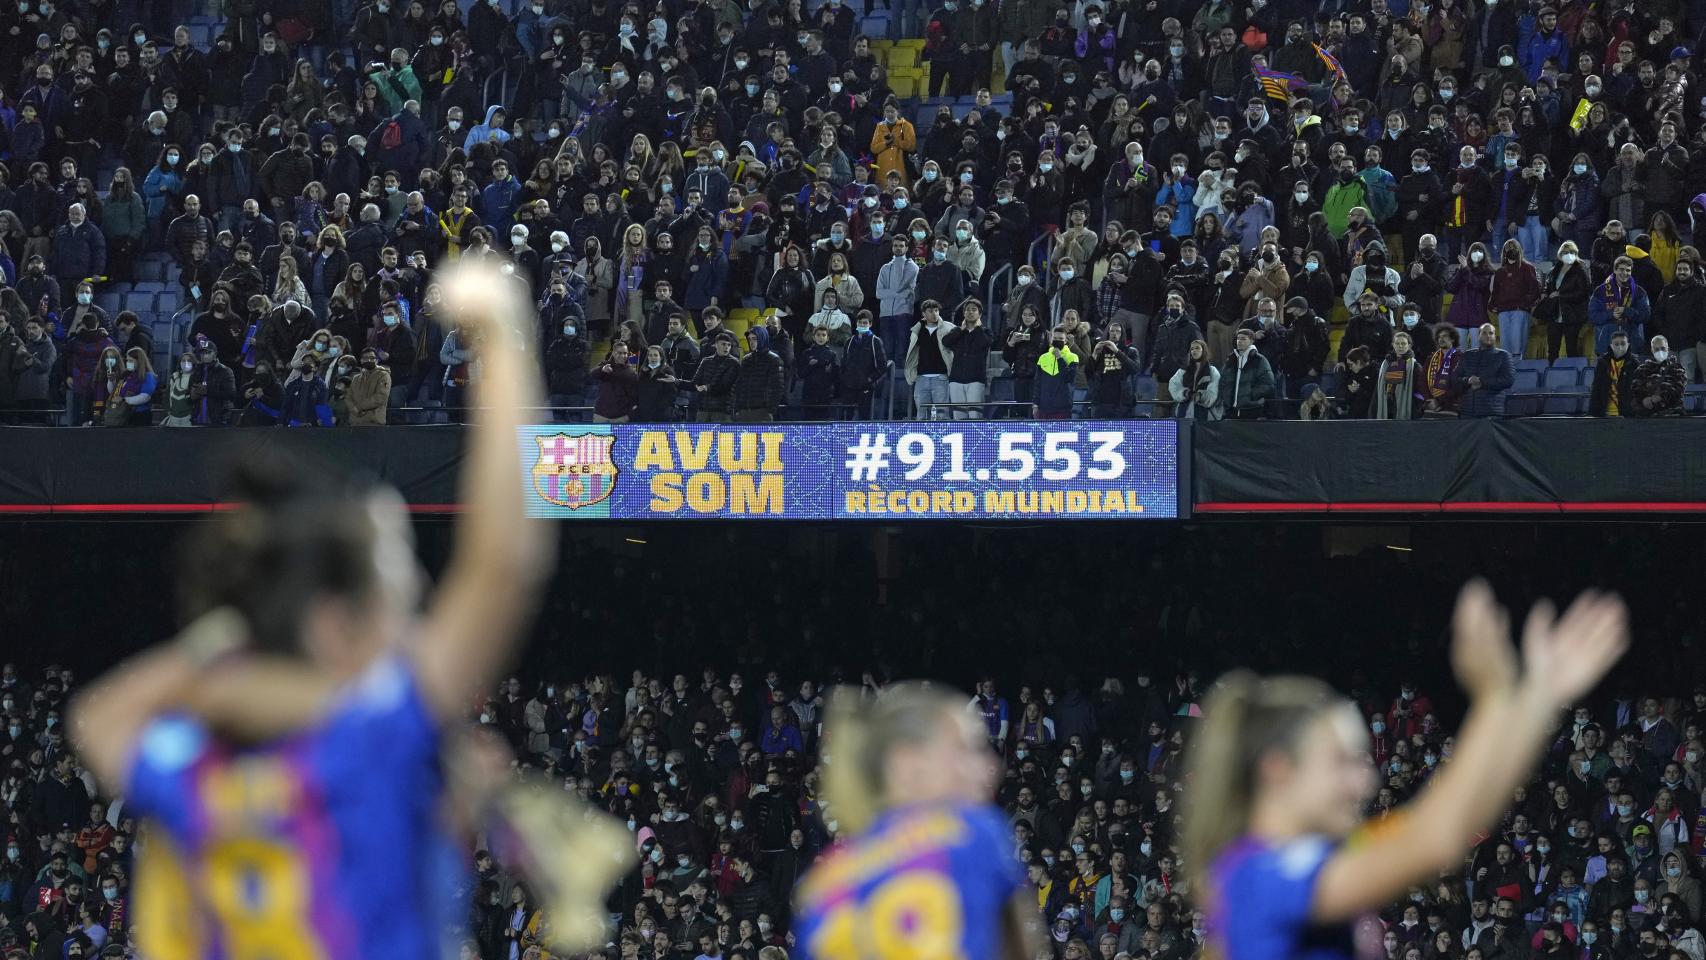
79 251
717 374
618 389
1245 387
761 382
1055 376
1493 365
897 283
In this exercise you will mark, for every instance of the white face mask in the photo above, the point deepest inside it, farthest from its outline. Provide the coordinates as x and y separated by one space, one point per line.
1569 259
1024 279
1477 256
1661 355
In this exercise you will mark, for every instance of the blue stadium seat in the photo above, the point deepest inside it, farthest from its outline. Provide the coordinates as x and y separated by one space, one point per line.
139 302
151 270
1559 379
108 300
1522 406
1146 387
167 302
1694 398
1574 402
1575 363
1329 382
1528 379
1531 365
149 286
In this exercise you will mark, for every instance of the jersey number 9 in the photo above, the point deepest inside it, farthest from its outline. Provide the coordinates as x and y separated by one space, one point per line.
914 916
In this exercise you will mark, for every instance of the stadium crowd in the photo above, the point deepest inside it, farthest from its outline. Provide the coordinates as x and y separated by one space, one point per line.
715 775
701 761
1238 208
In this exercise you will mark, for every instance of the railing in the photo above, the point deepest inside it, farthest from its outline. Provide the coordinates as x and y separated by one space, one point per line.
992 304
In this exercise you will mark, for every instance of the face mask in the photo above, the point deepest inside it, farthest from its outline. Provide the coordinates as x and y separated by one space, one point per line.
112 362
130 365
1590 937
752 89
1506 61
1411 319
1592 90
1066 275
1378 726
918 235
172 159
1045 167
1661 355
962 235
900 203
929 175
1642 896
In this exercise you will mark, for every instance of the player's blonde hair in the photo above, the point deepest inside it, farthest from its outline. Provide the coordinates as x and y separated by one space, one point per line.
859 732
1245 718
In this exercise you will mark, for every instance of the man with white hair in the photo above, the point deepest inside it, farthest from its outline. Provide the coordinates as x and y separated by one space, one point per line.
79 249
365 241
1658 384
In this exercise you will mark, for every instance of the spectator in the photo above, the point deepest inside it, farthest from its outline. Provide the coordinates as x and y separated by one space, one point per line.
1247 382
618 386
1618 302
1402 394
1483 376
1512 295
1055 370
1195 386
968 343
760 385
1657 386
928 359
1613 375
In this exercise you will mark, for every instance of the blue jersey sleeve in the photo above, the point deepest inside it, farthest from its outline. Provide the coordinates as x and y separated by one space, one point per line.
161 779
381 726
993 840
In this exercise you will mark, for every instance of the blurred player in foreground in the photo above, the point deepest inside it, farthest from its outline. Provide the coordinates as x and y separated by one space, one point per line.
931 874
1279 777
291 749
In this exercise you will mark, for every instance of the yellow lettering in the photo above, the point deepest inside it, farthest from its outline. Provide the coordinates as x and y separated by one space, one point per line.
654 452
918 501
1077 501
705 493
855 501
964 501
694 448
1027 501
998 502
875 500
897 501
666 493
772 452
750 494
1052 501
747 459
942 501
1113 502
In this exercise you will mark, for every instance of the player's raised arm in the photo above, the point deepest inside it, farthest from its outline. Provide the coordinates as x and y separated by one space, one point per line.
1509 721
501 558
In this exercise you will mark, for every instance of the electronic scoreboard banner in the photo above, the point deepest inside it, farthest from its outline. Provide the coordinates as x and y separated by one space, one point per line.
889 471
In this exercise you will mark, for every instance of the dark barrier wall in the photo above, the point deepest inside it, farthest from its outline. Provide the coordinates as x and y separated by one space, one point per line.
1511 466
1533 465
160 469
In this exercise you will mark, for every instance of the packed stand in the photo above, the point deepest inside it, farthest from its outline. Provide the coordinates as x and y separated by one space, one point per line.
1209 210
715 776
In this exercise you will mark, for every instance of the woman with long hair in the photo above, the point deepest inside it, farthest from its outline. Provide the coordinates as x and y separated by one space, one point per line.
1279 778
1197 384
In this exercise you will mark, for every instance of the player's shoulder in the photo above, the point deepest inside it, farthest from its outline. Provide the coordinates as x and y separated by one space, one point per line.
1272 880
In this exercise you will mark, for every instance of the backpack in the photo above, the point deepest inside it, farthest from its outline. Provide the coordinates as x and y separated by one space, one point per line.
391 135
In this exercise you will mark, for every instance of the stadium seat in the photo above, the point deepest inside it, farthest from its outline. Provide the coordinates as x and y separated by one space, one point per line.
1572 401
1573 363
1560 379
108 300
167 302
1694 398
149 286
1531 364
1527 380
151 270
139 303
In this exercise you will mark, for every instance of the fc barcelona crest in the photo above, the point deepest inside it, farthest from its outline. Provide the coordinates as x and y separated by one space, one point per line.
575 470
